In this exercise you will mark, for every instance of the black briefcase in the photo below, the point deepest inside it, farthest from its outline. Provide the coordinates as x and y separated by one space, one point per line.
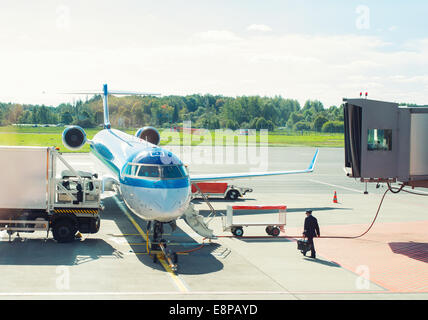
303 245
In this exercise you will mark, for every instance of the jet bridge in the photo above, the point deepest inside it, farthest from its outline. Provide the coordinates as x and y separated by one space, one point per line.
385 142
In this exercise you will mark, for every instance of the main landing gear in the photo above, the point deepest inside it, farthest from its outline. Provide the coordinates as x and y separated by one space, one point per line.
158 246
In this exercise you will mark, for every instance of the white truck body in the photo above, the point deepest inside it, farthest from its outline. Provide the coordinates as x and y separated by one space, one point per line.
33 198
24 177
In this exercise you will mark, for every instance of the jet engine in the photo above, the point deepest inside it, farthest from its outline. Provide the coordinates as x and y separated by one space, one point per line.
74 137
149 134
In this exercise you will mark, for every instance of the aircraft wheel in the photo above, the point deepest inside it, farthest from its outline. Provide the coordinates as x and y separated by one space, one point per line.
269 230
232 194
238 231
275 232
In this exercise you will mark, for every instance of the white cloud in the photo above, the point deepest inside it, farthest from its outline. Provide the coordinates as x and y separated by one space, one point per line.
259 27
216 36
220 62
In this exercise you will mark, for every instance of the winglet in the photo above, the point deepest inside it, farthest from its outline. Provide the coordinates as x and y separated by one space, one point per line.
314 160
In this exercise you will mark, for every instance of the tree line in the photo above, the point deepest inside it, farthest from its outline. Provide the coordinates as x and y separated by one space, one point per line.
204 111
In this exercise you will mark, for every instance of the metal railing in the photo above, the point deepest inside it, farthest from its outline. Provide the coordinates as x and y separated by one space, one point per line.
65 192
213 212
90 191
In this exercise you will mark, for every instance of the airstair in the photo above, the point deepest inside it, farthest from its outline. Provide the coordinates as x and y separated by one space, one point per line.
197 222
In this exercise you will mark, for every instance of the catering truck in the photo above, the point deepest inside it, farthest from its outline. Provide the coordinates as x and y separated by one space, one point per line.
34 198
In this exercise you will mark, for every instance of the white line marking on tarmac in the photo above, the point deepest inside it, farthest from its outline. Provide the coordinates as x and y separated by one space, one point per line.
337 186
170 293
415 190
81 163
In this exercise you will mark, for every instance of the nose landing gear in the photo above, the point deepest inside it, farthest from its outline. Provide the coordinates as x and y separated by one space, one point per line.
158 247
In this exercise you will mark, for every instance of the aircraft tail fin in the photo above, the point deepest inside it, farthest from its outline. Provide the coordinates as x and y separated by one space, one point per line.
107 124
105 92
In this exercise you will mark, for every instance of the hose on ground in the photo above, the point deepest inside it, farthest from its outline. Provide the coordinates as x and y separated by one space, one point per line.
194 249
390 189
346 237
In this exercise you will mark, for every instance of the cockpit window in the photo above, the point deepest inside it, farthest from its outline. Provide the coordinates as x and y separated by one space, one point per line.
149 171
127 168
156 171
174 172
171 172
133 170
183 171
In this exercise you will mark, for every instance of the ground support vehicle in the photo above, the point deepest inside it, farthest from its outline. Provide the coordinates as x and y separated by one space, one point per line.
33 198
219 189
273 228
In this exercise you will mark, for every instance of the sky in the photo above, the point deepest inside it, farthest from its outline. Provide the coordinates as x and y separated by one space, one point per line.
306 49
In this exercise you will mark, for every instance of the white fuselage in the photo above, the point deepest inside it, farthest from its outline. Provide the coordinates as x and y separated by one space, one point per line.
152 181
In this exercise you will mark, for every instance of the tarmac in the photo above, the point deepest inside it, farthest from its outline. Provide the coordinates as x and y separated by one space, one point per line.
389 262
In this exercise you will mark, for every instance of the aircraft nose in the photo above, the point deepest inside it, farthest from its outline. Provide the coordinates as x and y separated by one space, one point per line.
169 201
153 204
170 204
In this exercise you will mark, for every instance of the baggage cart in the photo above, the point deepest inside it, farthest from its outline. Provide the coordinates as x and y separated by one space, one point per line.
273 228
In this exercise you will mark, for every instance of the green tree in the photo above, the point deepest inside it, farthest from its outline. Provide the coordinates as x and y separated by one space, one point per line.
231 124
315 104
333 127
253 123
66 118
261 123
42 115
319 122
294 118
302 126
175 115
268 111
26 117
84 123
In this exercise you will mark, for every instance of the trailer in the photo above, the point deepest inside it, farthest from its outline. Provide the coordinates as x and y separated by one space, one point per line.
33 198
273 228
218 189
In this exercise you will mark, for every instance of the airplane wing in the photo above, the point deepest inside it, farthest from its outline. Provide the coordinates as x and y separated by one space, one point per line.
230 176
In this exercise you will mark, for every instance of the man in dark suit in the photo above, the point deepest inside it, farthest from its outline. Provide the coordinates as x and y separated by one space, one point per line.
311 230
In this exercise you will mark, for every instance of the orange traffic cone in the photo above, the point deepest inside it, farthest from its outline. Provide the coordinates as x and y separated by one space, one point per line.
335 198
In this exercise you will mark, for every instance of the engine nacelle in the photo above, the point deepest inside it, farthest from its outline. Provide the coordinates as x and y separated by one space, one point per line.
74 137
149 134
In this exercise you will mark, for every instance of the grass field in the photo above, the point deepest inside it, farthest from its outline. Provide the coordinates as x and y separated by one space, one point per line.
51 136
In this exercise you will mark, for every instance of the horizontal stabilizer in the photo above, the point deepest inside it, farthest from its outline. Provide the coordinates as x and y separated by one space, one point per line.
133 93
113 92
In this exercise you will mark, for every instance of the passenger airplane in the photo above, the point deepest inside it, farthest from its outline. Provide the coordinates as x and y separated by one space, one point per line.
153 182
